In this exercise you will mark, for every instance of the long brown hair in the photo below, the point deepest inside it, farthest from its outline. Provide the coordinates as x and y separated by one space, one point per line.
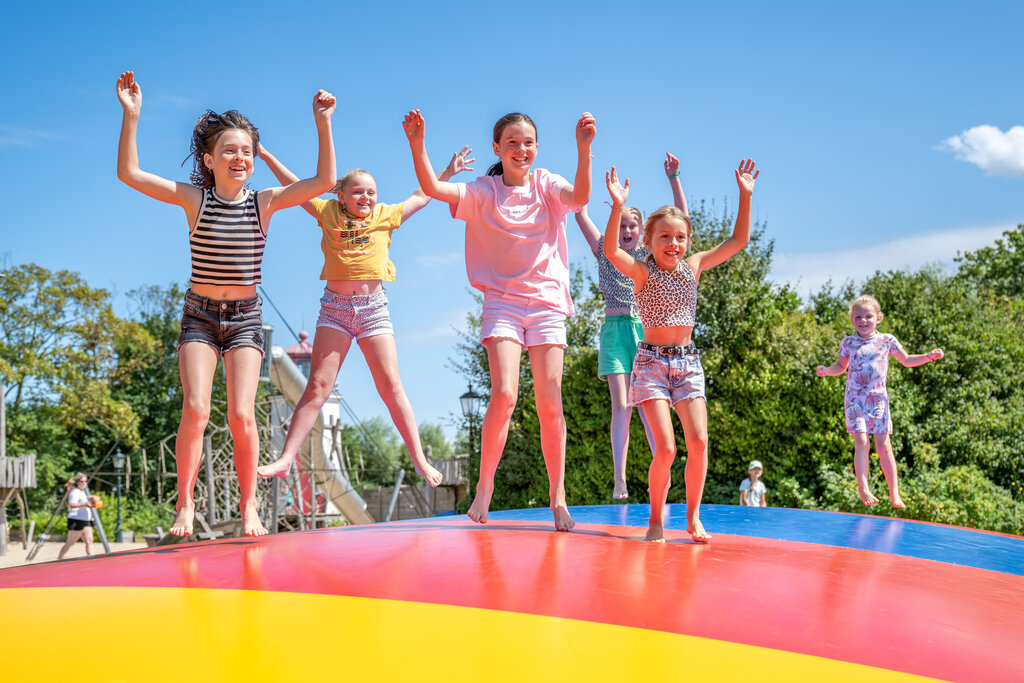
207 131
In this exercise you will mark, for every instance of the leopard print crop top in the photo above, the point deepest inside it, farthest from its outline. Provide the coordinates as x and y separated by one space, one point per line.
669 297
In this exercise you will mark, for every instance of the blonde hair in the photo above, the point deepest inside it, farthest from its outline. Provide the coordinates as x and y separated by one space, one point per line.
864 301
345 179
73 481
665 212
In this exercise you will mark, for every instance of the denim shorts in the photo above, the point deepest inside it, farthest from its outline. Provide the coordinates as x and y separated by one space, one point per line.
671 373
522 319
224 325
619 337
356 315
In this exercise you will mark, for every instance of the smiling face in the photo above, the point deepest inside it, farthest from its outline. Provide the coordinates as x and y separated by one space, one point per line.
232 157
629 230
517 148
865 320
359 194
668 239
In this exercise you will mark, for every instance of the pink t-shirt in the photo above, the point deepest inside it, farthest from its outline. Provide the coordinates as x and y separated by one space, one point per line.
515 237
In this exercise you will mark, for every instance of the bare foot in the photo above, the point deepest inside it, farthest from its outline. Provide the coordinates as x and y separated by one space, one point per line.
432 476
278 468
868 497
182 525
620 492
481 504
563 522
896 501
697 533
251 525
655 533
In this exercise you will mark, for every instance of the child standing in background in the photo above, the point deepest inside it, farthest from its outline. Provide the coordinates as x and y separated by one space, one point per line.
865 355
228 226
517 255
752 490
667 373
356 236
621 329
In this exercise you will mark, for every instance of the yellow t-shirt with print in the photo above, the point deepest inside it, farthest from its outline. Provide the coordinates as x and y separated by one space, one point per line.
357 249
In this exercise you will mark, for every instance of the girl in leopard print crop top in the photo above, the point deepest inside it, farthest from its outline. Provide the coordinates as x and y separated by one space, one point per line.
666 377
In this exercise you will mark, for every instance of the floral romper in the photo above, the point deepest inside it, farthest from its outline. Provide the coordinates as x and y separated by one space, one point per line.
866 403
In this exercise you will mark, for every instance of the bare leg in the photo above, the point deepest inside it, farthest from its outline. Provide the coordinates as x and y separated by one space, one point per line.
87 537
659 476
72 539
242 371
503 362
883 446
197 362
622 412
694 415
861 462
330 346
546 360
382 359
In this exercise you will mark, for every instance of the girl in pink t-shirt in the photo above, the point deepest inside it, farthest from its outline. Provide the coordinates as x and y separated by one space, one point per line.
516 254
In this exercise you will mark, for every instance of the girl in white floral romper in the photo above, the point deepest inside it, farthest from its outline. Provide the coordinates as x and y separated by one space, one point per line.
865 357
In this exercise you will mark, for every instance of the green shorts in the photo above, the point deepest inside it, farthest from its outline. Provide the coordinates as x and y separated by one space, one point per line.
619 337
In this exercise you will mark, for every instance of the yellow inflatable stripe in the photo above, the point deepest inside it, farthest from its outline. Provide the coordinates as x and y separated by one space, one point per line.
192 634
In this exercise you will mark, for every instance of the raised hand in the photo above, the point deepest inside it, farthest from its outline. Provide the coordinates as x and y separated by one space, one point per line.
414 125
586 129
129 93
324 104
671 164
619 193
459 162
746 175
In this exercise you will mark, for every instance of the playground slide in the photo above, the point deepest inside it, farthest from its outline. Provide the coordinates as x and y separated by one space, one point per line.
287 377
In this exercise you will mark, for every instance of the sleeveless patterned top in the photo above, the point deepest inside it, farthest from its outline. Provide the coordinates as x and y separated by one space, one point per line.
669 297
616 287
227 241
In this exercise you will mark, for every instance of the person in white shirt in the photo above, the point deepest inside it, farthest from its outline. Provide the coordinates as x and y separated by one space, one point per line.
79 515
752 489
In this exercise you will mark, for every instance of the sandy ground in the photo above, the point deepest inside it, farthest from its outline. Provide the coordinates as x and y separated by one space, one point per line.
16 554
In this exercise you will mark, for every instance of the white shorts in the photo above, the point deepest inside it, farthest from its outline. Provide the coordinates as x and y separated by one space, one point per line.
510 316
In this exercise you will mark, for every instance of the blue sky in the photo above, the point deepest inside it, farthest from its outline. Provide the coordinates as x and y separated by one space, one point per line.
885 131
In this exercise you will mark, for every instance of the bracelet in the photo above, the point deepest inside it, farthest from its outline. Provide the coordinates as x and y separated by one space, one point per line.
674 175
619 207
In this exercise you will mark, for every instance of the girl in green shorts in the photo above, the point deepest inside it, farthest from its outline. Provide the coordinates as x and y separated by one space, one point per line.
621 329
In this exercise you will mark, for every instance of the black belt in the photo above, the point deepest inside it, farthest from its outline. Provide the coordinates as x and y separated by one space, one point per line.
688 350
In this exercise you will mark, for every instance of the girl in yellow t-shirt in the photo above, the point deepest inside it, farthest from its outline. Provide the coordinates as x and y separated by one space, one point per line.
356 236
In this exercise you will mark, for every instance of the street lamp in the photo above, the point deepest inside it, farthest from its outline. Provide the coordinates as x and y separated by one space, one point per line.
470 405
118 459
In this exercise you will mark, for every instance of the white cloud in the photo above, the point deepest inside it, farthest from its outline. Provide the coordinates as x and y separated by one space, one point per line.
808 272
439 260
992 150
11 136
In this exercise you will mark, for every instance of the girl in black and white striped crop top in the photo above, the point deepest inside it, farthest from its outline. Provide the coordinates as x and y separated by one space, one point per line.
227 233
666 370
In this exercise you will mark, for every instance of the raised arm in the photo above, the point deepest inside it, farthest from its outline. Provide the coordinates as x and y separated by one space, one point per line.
578 194
701 261
589 230
415 129
129 94
284 176
301 191
459 163
623 261
672 171
913 360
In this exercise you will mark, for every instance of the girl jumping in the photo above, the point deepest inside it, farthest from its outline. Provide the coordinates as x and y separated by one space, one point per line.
227 233
621 329
517 255
866 403
667 372
356 236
